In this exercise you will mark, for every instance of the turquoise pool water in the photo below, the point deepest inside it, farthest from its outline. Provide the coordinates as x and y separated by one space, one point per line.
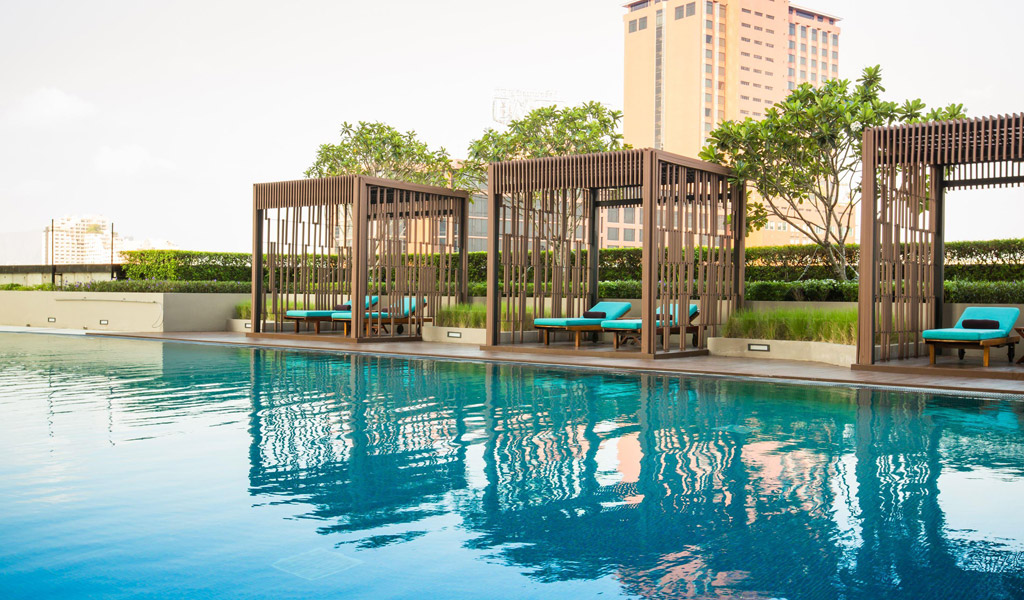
138 469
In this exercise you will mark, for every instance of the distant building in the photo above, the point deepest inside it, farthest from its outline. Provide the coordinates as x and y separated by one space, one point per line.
78 240
689 65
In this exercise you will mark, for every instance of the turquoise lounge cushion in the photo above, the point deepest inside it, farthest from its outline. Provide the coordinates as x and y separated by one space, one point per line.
959 334
345 314
693 309
408 307
1006 316
633 324
559 322
310 313
371 301
611 310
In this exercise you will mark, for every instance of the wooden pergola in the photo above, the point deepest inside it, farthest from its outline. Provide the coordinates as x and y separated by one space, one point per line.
543 240
907 171
320 242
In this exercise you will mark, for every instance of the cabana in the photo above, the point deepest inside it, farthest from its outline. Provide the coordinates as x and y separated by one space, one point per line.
321 245
907 171
543 241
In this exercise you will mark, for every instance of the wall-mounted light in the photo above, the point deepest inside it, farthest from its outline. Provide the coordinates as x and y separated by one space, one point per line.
51 319
103 321
759 348
454 334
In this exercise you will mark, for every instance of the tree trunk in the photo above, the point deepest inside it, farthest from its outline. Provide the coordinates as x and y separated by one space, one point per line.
837 260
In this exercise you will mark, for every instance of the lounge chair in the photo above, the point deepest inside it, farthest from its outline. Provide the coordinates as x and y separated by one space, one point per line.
611 310
631 329
375 321
317 316
980 327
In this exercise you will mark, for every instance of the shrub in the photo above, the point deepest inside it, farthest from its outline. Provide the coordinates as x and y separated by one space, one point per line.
814 290
243 310
835 326
187 265
984 292
145 286
470 316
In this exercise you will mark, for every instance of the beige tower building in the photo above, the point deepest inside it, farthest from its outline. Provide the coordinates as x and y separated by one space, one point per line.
690 65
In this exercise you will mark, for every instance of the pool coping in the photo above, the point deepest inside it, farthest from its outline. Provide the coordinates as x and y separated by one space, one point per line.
853 379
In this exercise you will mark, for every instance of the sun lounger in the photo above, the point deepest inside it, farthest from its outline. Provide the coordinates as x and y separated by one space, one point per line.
317 316
980 327
611 310
625 330
381 320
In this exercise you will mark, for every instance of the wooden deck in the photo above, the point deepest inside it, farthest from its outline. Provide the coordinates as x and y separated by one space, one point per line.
795 371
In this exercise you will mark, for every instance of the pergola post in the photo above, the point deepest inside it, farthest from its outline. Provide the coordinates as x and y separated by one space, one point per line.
493 332
360 248
593 248
868 269
256 321
463 222
739 203
649 165
938 190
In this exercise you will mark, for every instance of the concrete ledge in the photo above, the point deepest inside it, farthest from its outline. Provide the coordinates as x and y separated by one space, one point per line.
822 352
455 335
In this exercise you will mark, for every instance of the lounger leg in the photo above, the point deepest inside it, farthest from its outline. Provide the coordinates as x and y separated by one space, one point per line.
615 342
577 339
297 325
984 356
546 332
931 354
316 326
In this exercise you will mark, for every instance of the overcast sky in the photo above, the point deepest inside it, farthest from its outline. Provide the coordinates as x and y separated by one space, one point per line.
160 115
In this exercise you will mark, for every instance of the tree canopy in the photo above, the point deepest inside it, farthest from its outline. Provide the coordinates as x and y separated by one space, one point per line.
807 150
545 132
379 150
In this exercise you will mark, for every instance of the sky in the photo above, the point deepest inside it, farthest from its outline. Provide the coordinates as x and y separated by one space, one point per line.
161 115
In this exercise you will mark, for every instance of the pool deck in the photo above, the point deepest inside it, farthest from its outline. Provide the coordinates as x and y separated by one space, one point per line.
698 365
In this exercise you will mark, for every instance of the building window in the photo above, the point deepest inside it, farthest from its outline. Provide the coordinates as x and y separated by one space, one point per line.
747 25
613 234
835 55
792 72
708 53
629 215
686 11
756 28
707 83
803 31
707 68
707 97
707 127
629 235
835 40
707 39
814 35
814 63
814 49
642 23
632 26
803 74
835 68
744 54
792 44
792 58
792 29
708 24
710 7
612 215
792 85
814 76
803 47
803 60
707 112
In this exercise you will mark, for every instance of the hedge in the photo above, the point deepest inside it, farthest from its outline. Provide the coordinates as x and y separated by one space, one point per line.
187 265
144 286
993 260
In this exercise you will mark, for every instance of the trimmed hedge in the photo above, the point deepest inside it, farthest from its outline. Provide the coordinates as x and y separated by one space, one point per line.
812 290
142 286
984 292
992 260
187 265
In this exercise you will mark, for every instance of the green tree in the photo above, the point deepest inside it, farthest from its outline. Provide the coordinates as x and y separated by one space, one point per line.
807 150
379 150
544 132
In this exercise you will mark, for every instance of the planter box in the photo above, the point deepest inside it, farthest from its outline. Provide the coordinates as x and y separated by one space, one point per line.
833 354
469 335
118 311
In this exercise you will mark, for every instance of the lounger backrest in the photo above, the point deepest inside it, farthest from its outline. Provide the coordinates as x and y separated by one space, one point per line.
371 301
612 310
1006 315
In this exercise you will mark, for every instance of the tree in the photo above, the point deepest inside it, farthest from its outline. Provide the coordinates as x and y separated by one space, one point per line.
807 149
544 132
379 150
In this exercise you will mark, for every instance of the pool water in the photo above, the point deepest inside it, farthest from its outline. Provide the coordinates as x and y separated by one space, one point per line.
135 469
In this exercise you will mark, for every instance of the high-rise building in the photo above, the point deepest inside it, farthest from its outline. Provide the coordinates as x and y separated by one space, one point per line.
689 65
75 240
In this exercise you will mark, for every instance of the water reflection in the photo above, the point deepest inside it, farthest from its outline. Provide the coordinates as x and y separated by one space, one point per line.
670 485
663 486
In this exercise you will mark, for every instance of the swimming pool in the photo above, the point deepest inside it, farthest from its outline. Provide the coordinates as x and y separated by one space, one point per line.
136 469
